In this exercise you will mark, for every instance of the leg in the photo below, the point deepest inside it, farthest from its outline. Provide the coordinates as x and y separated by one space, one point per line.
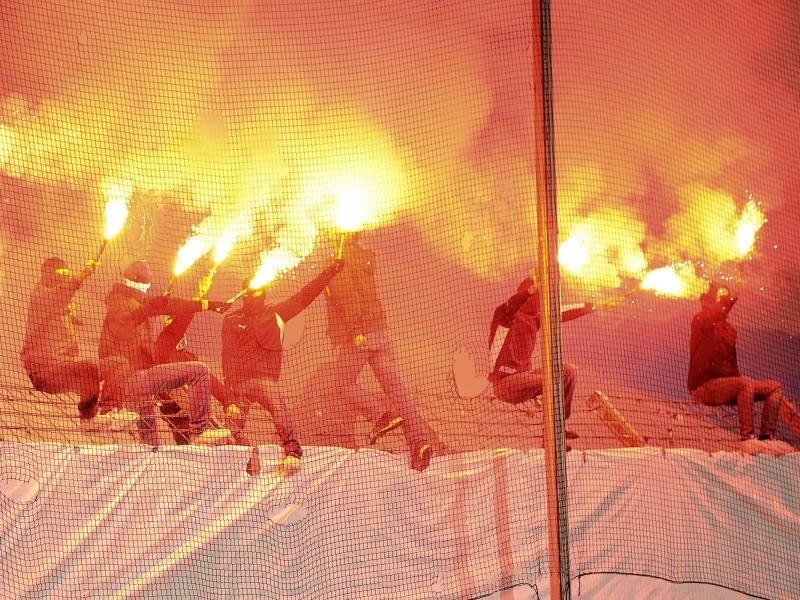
772 394
145 383
730 390
266 393
350 361
114 371
383 361
518 387
81 377
568 375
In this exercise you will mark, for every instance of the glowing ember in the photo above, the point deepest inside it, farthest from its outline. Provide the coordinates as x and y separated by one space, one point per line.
195 247
272 263
573 253
117 195
664 281
751 221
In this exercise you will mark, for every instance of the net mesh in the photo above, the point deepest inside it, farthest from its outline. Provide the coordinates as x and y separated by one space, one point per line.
235 144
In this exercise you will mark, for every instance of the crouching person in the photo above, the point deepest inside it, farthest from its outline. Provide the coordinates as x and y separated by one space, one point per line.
127 333
50 350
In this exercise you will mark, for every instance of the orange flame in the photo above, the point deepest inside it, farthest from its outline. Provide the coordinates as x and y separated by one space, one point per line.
195 247
664 281
273 262
116 212
751 221
224 246
573 253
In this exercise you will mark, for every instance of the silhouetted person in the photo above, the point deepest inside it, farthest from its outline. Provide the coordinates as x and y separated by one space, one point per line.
358 330
252 350
50 350
126 333
514 380
714 378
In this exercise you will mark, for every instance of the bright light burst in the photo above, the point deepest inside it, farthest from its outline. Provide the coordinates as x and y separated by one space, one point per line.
195 247
224 246
351 209
273 262
664 281
573 253
116 212
751 221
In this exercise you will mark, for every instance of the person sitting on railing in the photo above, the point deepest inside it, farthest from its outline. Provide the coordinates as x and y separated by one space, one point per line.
50 351
714 378
513 378
126 333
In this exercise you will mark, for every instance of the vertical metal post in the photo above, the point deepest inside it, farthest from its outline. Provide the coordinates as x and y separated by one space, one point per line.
548 276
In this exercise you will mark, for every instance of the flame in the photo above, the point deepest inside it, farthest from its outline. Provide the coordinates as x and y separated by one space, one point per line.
117 195
751 221
664 281
224 246
195 247
273 262
573 253
351 209
6 144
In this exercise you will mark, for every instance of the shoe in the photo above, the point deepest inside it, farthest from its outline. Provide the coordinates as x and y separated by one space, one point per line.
87 409
292 458
764 437
123 420
211 437
97 424
384 425
421 456
570 434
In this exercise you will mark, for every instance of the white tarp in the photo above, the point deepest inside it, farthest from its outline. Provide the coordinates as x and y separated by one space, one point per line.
128 522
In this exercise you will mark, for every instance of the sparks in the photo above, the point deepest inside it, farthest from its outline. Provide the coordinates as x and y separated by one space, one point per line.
751 221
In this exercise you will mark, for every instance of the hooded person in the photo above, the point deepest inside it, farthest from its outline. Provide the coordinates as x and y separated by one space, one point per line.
50 352
513 378
714 378
358 330
252 352
127 333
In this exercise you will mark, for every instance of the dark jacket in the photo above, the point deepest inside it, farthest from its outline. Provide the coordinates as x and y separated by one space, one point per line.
353 304
126 329
521 315
252 342
50 328
712 346
171 345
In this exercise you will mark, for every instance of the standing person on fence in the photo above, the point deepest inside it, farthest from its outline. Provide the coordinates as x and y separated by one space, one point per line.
358 329
514 380
126 333
50 350
714 378
252 350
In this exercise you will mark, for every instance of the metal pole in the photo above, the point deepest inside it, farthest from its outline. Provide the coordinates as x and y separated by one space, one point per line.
548 276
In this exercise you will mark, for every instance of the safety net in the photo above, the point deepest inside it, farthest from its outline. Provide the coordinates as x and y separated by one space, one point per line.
272 297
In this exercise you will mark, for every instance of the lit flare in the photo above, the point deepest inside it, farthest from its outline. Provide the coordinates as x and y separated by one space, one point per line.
664 281
752 220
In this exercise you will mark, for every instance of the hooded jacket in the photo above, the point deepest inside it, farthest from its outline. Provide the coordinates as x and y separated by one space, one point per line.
252 341
126 329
